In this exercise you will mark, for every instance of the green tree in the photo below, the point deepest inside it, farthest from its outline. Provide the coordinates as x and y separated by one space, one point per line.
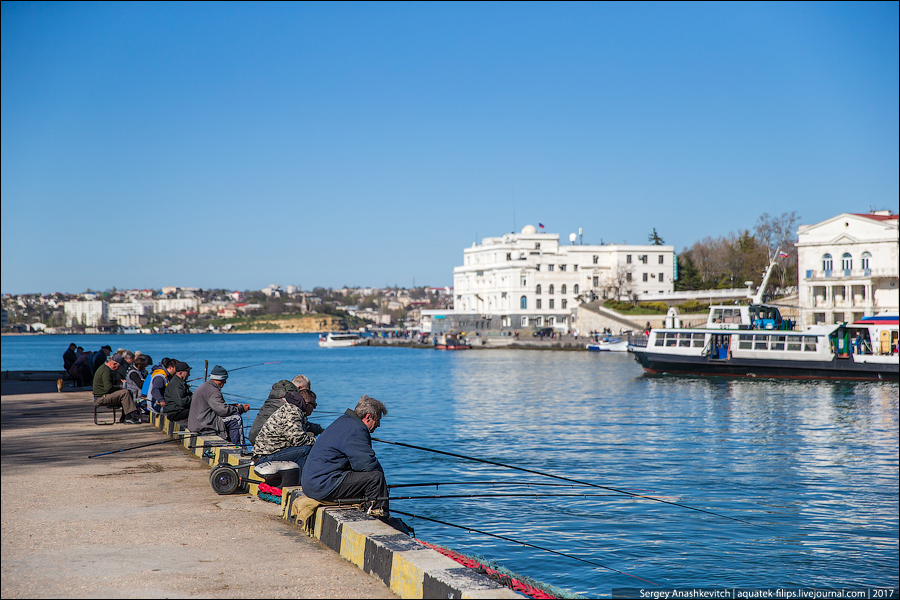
654 239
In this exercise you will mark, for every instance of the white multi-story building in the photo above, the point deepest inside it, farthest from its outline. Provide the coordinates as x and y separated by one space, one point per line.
165 305
530 279
848 267
123 312
89 313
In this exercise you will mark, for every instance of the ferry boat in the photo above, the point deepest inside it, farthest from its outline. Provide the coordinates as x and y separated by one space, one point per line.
755 341
339 340
450 341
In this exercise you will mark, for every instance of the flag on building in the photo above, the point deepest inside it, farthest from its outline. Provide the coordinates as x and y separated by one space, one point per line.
541 225
783 254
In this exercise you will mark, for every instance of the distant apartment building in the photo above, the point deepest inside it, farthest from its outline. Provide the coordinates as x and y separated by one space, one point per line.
167 305
89 313
529 279
848 267
131 314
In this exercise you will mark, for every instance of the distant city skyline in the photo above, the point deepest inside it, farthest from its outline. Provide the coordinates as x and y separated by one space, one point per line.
238 145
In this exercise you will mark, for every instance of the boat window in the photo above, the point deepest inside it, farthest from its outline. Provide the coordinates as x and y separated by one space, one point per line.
732 315
659 340
793 343
760 342
684 340
778 342
745 342
699 339
717 316
809 343
671 339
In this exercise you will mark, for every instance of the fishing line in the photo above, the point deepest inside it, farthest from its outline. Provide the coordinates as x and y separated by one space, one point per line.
508 539
500 495
588 483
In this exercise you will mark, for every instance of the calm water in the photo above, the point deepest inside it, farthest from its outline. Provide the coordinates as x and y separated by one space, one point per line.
815 462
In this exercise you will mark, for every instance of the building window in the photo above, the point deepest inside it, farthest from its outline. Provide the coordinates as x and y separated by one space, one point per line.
551 321
551 303
509 256
522 281
846 261
523 302
537 290
627 276
661 275
575 289
628 259
550 268
596 259
595 281
562 290
661 261
537 245
551 288
537 304
537 267
827 263
562 267
565 303
574 267
645 277
865 260
643 258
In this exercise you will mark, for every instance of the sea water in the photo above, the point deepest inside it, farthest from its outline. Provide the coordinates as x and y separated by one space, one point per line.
808 469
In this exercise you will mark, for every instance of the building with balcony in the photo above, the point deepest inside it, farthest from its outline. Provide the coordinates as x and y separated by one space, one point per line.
529 279
848 267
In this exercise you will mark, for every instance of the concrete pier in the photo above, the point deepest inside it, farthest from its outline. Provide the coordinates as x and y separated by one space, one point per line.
139 524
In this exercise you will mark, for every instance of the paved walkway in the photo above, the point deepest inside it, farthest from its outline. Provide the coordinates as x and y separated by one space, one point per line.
139 524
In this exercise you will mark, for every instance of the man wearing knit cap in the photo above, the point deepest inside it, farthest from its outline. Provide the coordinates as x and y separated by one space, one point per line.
210 415
178 393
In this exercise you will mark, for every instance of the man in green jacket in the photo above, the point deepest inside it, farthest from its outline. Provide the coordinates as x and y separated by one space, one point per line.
178 394
109 393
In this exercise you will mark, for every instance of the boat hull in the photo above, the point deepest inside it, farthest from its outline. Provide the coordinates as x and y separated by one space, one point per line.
837 368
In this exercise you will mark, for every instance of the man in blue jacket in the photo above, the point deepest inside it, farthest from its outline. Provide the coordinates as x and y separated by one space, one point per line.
342 463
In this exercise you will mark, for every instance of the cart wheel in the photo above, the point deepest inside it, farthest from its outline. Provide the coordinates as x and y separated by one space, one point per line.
224 480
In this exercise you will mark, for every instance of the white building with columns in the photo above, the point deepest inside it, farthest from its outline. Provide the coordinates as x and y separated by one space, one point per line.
848 267
529 279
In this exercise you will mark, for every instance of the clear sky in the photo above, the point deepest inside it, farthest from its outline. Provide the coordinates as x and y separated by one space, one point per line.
238 145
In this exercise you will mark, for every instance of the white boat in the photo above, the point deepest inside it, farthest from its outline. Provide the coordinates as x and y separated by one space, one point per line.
609 343
340 340
754 341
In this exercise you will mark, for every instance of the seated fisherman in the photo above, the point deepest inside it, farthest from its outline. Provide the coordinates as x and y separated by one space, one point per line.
154 388
342 463
287 435
276 401
178 394
134 379
109 393
210 415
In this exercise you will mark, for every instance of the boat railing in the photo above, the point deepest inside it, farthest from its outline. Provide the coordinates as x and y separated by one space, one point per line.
638 339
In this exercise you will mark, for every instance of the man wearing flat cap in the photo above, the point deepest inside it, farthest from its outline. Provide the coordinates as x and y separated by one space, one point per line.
107 392
210 415
178 394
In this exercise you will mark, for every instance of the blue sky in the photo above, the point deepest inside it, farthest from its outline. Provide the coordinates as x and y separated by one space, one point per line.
237 145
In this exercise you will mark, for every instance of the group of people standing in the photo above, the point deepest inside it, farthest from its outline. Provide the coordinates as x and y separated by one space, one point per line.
337 462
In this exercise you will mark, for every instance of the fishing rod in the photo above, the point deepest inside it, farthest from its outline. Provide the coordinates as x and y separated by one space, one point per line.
143 445
588 483
274 362
343 501
508 539
437 484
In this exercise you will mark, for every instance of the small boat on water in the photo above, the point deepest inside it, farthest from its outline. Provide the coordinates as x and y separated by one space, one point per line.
340 340
450 341
755 341
609 343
